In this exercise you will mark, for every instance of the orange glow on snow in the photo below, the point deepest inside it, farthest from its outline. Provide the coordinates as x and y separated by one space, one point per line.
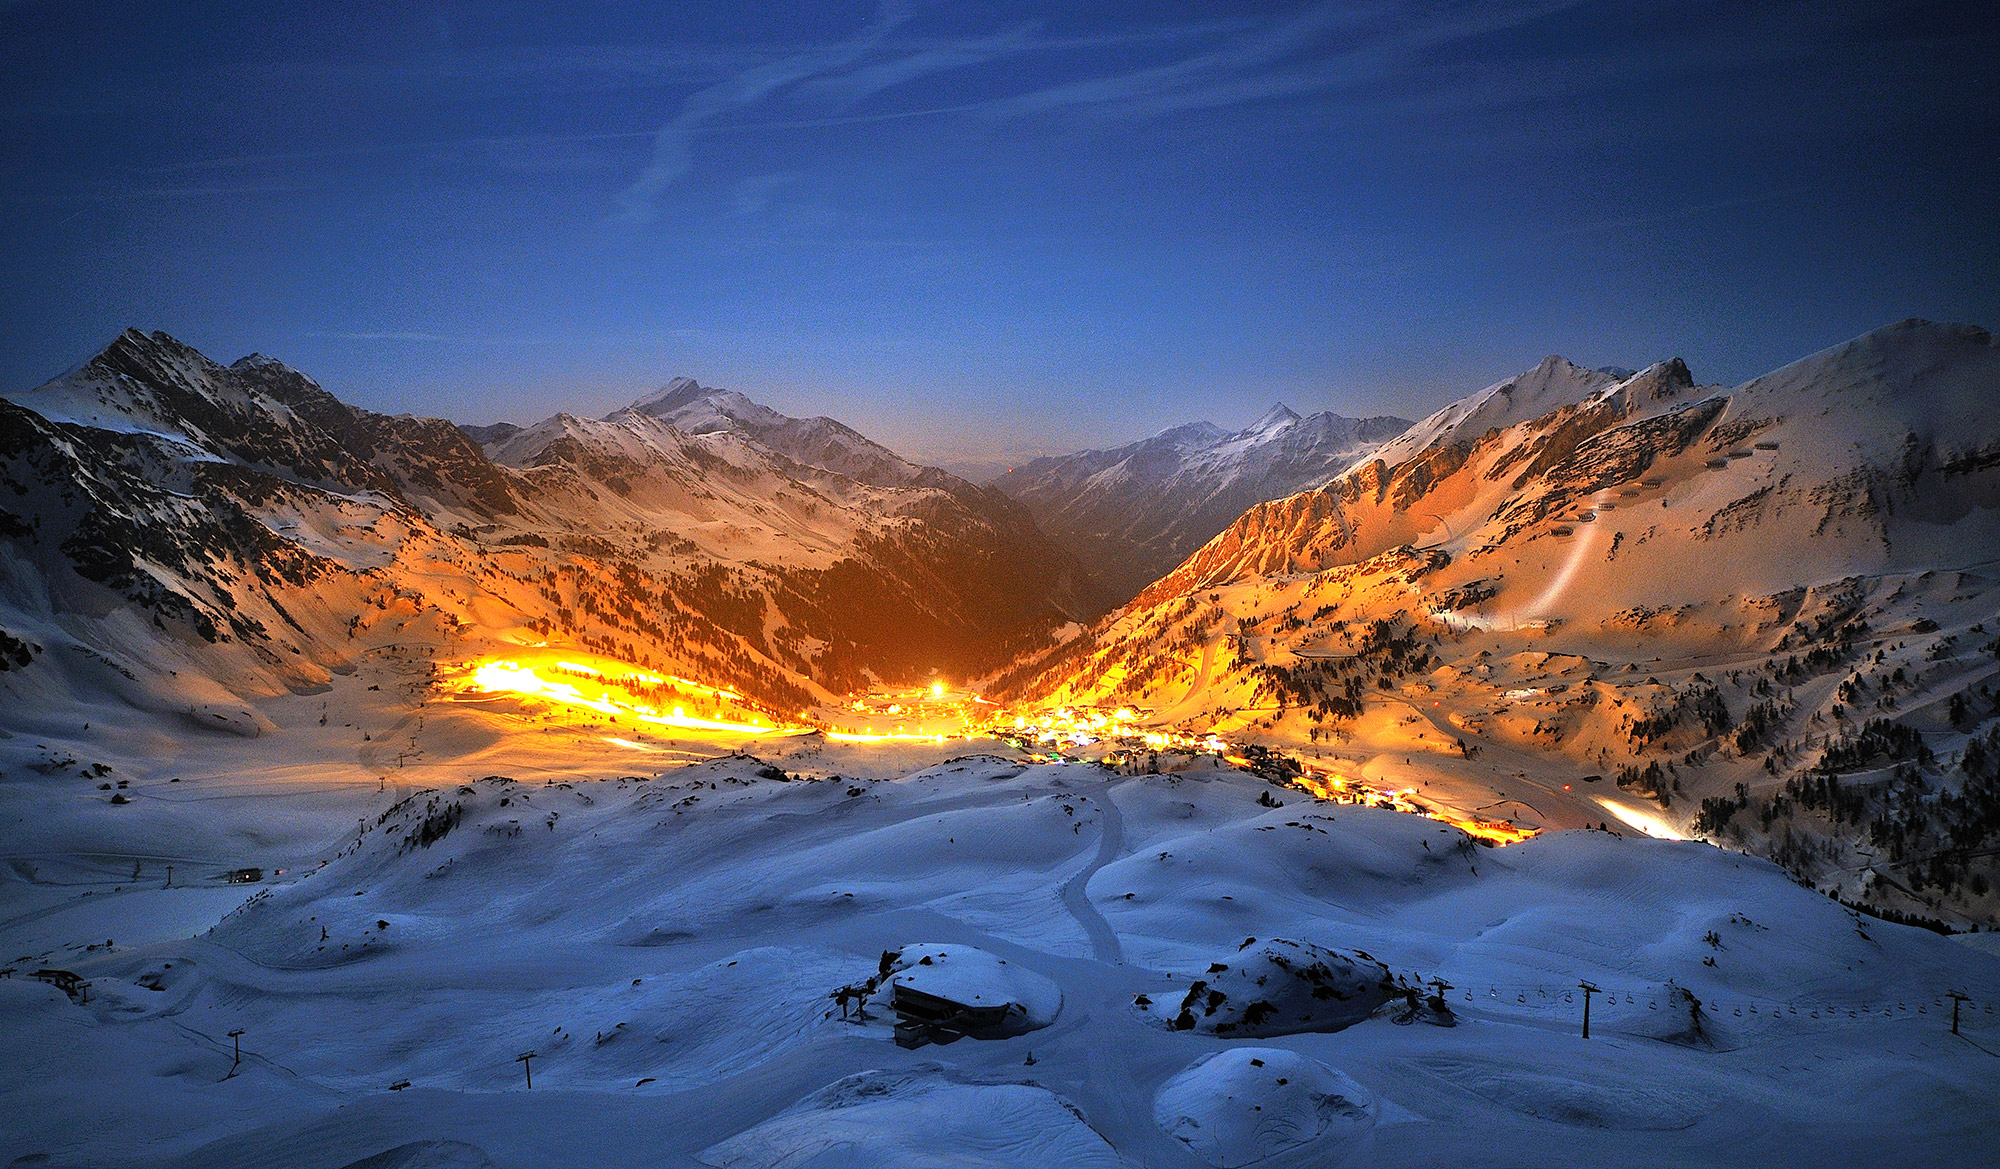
609 695
1339 788
623 693
1645 822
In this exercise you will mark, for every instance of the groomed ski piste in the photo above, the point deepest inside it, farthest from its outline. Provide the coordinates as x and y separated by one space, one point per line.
1374 987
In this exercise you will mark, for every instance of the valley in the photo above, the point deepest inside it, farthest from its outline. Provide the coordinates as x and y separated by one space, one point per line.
619 780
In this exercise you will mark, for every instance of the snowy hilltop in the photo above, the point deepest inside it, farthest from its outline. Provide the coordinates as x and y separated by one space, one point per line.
1133 512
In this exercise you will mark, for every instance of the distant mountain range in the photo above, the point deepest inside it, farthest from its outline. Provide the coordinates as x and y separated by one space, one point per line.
237 528
1133 512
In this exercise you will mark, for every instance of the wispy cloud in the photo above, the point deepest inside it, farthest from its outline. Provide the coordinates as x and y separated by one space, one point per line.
673 145
755 195
1363 49
856 85
1321 47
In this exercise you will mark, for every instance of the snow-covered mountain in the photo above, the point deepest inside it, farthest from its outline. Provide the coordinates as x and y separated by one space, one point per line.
1133 512
812 442
413 921
1711 591
1864 456
172 521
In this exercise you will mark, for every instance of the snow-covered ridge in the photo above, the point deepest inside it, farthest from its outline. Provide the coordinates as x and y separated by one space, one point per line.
692 408
1132 512
1554 383
1841 433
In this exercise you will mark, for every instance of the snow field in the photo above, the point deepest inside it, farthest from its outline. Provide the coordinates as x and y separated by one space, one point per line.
668 948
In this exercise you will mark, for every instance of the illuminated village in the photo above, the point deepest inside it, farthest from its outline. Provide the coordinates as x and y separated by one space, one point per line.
1118 740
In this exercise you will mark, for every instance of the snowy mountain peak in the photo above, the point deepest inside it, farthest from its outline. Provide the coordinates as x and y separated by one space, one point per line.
676 393
147 382
1191 434
1277 417
689 406
1552 384
1657 382
694 409
1555 367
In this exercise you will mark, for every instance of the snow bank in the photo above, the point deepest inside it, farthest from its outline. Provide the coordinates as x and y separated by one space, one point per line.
918 1121
1279 987
427 1155
1248 1103
1585 1097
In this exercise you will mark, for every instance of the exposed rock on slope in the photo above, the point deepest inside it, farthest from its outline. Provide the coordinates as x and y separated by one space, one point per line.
1281 987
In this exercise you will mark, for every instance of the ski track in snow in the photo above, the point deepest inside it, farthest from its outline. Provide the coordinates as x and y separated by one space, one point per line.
1076 890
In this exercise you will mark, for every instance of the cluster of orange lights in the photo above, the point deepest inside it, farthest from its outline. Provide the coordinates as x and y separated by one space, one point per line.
1332 785
588 688
613 690
622 693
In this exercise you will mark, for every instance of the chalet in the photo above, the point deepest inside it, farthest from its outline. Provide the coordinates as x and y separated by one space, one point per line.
68 982
922 1017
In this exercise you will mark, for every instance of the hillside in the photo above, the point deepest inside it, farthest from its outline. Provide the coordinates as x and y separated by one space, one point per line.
1726 598
195 536
1131 513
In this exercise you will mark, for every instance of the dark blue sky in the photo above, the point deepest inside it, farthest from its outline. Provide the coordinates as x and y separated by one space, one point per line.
989 229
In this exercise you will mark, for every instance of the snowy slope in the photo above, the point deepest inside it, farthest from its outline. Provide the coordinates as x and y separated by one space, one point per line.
1865 452
1708 592
666 948
1133 512
687 406
1555 383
